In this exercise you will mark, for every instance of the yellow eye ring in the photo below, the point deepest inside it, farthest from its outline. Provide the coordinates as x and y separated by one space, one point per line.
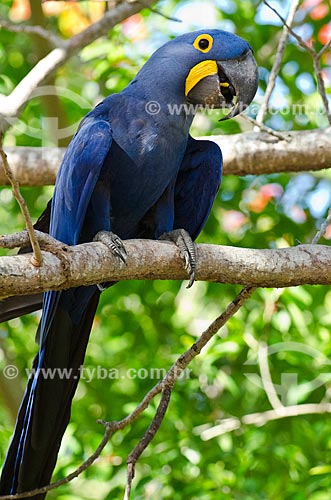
203 43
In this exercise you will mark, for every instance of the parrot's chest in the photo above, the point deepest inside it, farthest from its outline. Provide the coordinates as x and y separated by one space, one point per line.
143 168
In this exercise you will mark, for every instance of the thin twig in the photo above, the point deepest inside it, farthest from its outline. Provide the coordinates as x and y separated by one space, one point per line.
323 228
316 60
175 371
147 438
321 85
277 63
213 328
85 465
298 38
37 259
159 12
130 476
35 30
12 104
265 128
182 362
326 47
169 18
169 380
163 386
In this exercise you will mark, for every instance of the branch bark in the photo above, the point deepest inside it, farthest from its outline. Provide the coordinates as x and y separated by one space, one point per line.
92 263
260 153
250 153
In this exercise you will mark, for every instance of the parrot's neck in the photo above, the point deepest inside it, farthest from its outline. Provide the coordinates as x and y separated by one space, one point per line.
163 93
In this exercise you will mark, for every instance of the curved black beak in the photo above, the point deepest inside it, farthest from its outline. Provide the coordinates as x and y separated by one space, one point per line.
242 75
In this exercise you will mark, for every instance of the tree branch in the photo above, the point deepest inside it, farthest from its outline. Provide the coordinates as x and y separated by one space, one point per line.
147 437
33 166
165 386
323 228
321 85
298 38
315 57
11 105
249 153
35 30
91 263
85 465
171 377
283 136
277 63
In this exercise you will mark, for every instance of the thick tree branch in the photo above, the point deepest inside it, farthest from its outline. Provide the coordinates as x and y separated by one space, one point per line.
33 166
93 263
249 153
260 153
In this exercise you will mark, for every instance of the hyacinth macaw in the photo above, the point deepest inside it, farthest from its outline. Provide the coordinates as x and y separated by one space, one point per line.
131 171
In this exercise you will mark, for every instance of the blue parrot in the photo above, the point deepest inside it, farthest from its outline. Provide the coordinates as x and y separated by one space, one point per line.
131 171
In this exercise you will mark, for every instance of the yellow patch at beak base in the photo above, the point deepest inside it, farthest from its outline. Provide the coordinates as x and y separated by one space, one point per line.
198 72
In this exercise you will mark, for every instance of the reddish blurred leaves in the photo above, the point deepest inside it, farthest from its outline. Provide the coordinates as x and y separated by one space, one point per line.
258 199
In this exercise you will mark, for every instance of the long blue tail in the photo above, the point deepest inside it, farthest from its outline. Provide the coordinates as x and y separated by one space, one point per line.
45 410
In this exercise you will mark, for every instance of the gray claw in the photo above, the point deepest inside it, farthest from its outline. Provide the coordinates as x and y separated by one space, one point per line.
113 242
186 246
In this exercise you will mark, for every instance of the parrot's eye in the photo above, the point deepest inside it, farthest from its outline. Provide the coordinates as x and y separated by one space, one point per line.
203 42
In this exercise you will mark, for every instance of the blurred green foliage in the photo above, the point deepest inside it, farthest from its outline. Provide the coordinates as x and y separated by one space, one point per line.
141 327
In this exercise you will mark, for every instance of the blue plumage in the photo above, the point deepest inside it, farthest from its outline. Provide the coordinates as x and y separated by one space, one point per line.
137 174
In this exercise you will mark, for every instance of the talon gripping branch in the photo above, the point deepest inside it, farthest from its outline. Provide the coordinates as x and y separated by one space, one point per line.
135 174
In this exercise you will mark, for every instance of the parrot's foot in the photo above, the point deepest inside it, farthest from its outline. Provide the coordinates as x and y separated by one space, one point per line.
187 248
113 242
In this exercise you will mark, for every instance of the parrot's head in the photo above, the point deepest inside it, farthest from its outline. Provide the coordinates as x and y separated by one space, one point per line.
209 68
223 69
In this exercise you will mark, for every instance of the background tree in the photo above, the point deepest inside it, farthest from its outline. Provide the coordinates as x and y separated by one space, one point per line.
224 435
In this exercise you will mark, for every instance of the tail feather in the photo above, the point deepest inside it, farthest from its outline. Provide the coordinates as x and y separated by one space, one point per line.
13 307
45 410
